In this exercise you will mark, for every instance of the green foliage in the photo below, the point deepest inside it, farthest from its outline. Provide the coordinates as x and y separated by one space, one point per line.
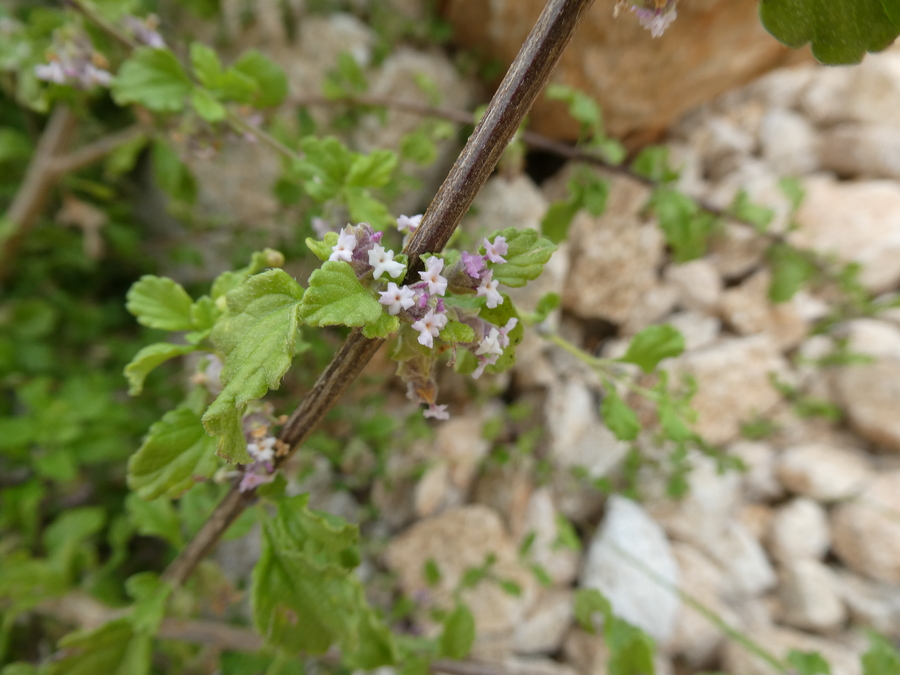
619 417
335 297
528 253
631 649
305 595
159 302
882 657
808 663
115 648
685 225
587 190
652 162
147 359
586 111
743 209
270 80
652 345
458 635
152 78
791 268
840 31
258 338
176 453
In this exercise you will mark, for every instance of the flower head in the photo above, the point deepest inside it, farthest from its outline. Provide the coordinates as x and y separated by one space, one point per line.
397 298
409 224
432 276
488 289
474 264
429 326
343 249
263 450
383 261
657 18
438 412
496 250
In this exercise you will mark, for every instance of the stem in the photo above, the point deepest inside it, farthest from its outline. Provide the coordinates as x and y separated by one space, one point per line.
34 191
88 154
524 80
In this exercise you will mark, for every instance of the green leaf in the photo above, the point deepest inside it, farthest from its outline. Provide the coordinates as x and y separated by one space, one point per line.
652 163
147 359
882 658
258 339
808 663
336 297
206 65
672 425
153 78
686 227
326 164
652 345
582 107
268 76
322 249
171 174
459 634
631 649
790 270
386 326
456 331
431 572
150 595
207 106
176 454
159 302
755 214
259 260
545 305
113 649
793 190
14 145
364 208
588 601
372 170
619 417
528 253
555 223
840 31
305 595
155 519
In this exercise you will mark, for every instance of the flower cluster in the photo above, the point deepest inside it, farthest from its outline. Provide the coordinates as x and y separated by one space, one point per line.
654 15
73 60
262 448
144 30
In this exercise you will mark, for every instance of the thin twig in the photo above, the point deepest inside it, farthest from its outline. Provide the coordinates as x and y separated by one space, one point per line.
88 154
34 190
526 77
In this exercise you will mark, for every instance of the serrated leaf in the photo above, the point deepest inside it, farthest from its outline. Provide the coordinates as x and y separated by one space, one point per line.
258 339
840 31
673 427
153 78
176 453
456 331
149 358
336 297
159 302
113 649
325 164
364 208
270 79
322 249
757 215
459 634
386 326
204 315
619 417
528 253
305 596
372 170
652 345
259 261
150 595
207 106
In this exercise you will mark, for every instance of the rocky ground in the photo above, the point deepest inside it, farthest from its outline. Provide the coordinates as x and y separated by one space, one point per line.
802 550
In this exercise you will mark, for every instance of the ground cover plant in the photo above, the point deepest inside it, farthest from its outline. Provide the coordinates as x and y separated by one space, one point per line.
144 419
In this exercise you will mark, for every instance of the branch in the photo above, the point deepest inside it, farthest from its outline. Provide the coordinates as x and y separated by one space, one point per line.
525 79
88 154
32 194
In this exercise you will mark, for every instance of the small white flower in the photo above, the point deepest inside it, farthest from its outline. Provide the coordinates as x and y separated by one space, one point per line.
429 326
397 298
495 252
93 75
409 224
490 344
438 412
488 289
263 451
50 72
432 275
383 261
343 249
504 332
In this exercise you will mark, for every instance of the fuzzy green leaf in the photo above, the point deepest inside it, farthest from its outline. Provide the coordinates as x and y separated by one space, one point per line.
206 65
336 297
207 106
619 417
459 634
587 602
270 79
176 453
304 594
840 31
528 253
156 518
386 326
555 223
456 331
150 595
258 339
372 170
159 302
325 164
652 345
113 649
147 359
364 208
153 78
